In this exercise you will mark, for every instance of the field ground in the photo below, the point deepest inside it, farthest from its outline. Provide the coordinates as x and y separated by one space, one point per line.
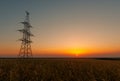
44 69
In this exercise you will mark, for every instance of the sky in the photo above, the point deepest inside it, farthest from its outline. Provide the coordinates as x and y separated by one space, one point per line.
62 28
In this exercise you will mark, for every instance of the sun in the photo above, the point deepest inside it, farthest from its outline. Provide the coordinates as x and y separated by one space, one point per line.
76 51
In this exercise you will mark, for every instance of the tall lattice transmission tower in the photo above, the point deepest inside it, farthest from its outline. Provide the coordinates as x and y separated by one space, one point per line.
25 49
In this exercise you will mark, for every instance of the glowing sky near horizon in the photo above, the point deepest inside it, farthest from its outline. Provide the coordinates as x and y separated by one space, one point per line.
91 26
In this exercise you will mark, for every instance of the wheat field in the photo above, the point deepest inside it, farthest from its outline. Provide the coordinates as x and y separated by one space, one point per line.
67 69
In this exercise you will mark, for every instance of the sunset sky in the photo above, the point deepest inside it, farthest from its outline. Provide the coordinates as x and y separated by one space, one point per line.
62 28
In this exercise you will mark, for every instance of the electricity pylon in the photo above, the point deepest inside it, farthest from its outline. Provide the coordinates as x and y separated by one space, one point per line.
25 49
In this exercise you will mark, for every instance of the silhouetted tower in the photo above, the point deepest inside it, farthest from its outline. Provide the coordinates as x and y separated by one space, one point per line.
25 50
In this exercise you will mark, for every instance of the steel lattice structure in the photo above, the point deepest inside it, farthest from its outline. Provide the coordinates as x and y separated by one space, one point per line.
25 49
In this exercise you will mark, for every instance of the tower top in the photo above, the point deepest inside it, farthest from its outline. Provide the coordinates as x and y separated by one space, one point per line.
27 13
27 18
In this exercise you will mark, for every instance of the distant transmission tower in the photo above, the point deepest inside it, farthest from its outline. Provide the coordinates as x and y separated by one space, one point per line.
25 49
